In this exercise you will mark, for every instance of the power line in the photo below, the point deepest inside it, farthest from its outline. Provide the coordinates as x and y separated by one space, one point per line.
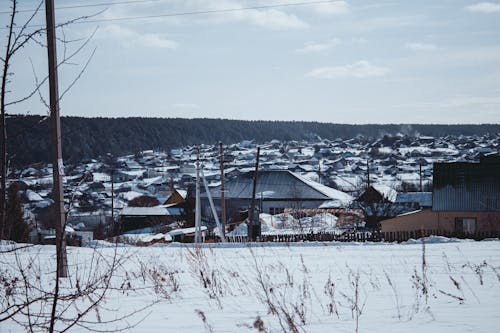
201 12
100 4
211 11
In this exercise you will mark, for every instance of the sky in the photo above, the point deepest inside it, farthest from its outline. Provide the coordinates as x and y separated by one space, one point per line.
353 62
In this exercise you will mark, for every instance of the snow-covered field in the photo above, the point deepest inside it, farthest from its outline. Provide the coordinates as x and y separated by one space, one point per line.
300 287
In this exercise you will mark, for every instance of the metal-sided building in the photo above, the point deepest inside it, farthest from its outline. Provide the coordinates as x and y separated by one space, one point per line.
465 201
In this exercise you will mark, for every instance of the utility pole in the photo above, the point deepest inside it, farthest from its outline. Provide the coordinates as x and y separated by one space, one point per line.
368 172
57 161
222 191
253 223
197 216
113 200
420 168
212 206
319 171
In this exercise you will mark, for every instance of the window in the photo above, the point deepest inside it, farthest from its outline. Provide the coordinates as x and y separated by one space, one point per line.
466 225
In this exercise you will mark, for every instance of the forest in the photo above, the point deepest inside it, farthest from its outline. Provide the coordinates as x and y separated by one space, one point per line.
83 138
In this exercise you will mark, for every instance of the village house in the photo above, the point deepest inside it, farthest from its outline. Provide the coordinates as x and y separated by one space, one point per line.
276 191
150 218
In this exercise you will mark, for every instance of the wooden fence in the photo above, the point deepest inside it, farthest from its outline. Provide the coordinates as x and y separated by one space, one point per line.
364 236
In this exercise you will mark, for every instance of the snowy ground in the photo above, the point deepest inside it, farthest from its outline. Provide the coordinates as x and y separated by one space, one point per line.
301 287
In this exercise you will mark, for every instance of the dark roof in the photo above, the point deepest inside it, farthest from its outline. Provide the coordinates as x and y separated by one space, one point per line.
465 186
278 184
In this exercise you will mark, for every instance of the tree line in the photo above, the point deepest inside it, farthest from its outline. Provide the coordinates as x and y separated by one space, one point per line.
83 138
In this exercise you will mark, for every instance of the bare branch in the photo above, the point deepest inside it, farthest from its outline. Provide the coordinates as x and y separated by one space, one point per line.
31 94
27 22
78 76
42 99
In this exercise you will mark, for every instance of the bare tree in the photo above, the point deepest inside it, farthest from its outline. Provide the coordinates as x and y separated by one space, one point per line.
28 292
26 296
18 37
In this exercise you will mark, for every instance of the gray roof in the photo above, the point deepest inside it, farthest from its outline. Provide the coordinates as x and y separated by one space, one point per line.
278 184
424 199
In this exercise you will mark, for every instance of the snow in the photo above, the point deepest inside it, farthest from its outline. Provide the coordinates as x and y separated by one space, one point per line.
461 278
33 196
411 213
182 193
385 150
186 231
147 238
130 195
264 194
286 224
333 194
145 211
101 177
387 192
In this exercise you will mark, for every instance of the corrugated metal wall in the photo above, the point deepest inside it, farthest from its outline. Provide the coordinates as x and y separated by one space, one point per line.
466 187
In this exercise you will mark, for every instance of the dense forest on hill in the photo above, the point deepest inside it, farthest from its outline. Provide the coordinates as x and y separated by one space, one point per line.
29 136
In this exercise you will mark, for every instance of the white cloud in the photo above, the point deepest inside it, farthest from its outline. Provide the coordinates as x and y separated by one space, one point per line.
131 38
484 7
313 47
333 8
270 18
359 69
421 46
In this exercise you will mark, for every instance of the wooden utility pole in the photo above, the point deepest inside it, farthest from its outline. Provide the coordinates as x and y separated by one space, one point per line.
222 191
253 223
368 172
197 216
114 231
420 169
57 161
319 171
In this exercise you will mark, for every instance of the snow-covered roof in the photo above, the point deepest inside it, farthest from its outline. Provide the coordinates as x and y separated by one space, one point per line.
130 195
33 196
333 194
280 184
154 181
410 213
133 173
185 231
387 192
182 193
145 211
101 177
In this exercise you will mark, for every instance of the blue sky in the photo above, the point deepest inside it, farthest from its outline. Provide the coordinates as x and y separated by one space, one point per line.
343 62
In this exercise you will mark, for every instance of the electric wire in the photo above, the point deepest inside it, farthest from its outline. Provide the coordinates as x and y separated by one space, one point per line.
196 12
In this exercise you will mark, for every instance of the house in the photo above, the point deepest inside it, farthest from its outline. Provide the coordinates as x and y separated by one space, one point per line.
465 201
177 197
134 218
276 191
